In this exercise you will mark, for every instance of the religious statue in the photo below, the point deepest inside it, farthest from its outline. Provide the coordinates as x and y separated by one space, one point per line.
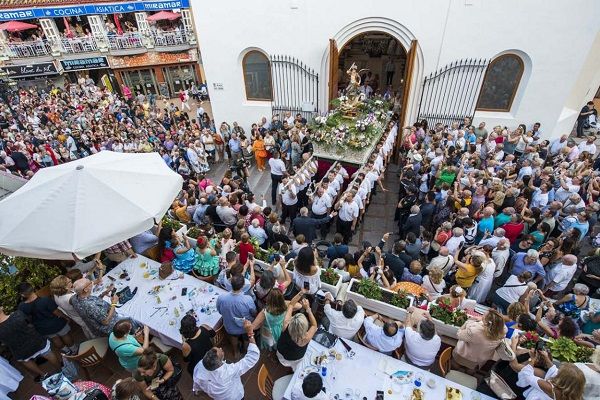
352 95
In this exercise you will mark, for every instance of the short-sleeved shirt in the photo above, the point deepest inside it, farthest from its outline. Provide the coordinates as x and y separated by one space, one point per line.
125 350
466 276
234 307
41 311
93 310
162 360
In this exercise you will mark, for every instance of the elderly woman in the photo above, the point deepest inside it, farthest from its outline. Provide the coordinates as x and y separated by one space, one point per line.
573 304
296 333
258 233
61 288
478 340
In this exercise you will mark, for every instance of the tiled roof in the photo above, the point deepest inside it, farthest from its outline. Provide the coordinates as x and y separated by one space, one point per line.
15 4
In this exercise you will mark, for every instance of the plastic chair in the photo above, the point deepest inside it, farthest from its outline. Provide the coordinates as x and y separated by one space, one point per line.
445 364
91 353
269 389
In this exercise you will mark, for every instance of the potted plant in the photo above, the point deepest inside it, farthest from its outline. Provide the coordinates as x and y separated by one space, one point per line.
564 349
331 281
173 224
446 318
529 340
383 301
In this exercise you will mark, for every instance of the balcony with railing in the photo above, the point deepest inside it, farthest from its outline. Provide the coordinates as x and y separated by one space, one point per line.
37 48
173 40
80 44
127 43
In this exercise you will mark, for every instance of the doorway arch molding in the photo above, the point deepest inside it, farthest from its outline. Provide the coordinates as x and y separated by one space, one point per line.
392 28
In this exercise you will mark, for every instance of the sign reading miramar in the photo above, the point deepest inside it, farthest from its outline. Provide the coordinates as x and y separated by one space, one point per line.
91 9
84 63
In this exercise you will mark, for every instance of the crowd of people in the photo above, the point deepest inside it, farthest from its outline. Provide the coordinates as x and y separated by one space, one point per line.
500 218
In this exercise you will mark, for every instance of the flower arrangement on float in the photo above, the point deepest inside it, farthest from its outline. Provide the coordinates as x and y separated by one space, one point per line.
350 131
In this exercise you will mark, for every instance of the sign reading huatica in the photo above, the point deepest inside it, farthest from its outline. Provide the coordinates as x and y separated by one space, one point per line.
84 63
91 9
23 71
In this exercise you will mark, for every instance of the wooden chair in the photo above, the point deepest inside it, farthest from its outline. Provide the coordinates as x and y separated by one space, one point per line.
207 279
219 334
361 335
269 389
399 352
156 342
91 353
152 253
445 365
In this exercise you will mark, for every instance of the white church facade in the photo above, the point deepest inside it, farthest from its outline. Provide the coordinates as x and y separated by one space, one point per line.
505 62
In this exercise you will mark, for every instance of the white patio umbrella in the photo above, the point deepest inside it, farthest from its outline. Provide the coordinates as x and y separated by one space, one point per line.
87 205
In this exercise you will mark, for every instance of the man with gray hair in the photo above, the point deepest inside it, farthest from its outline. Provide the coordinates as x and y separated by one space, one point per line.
347 322
443 261
530 262
456 241
307 226
412 223
495 238
500 255
220 380
560 275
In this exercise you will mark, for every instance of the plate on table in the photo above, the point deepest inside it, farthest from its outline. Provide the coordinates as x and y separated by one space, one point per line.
453 393
308 370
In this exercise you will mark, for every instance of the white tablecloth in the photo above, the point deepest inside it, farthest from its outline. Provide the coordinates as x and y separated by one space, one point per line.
164 322
369 371
10 379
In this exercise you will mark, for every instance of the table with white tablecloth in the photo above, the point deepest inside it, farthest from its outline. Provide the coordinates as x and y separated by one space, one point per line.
368 371
159 303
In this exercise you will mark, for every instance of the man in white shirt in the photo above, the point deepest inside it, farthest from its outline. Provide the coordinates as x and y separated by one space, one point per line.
559 276
588 146
500 255
386 338
495 238
347 322
310 388
277 171
321 204
567 186
222 381
420 340
456 241
347 216
289 199
443 261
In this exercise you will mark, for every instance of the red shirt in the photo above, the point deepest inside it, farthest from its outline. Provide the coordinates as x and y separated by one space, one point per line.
513 230
245 248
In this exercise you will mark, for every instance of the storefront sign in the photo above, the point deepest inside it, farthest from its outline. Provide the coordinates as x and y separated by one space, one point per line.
146 59
84 63
93 9
23 71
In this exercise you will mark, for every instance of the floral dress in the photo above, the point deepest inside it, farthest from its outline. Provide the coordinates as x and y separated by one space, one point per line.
206 264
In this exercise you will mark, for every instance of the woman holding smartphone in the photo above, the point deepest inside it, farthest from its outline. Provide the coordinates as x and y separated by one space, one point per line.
307 275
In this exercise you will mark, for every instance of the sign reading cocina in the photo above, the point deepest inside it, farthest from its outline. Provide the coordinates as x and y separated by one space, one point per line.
22 71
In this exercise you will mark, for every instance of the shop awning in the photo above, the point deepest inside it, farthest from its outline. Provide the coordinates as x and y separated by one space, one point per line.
164 15
16 26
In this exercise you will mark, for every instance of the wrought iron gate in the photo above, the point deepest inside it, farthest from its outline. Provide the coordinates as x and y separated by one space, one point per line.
450 93
295 87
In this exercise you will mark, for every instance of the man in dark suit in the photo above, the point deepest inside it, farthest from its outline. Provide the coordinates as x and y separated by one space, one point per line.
412 223
392 258
307 226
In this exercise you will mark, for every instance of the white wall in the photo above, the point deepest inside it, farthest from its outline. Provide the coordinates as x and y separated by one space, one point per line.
557 38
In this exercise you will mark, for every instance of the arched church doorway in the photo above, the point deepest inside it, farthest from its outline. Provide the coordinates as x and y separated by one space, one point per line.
380 57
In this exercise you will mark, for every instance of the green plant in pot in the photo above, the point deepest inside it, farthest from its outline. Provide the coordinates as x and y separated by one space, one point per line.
400 299
329 276
566 350
171 223
369 289
443 311
193 233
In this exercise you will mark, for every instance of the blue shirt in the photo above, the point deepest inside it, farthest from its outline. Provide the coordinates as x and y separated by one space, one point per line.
519 266
199 213
234 308
234 145
486 224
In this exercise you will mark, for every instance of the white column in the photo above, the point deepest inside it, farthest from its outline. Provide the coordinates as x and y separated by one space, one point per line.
98 29
4 52
188 24
144 29
52 35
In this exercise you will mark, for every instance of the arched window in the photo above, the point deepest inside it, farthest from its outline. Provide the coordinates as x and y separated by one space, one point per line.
257 76
500 83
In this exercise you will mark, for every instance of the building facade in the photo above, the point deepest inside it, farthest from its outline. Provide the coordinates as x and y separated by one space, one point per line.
150 46
505 62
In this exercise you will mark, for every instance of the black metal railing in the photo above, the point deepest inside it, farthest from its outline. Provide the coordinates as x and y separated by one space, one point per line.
295 87
450 93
